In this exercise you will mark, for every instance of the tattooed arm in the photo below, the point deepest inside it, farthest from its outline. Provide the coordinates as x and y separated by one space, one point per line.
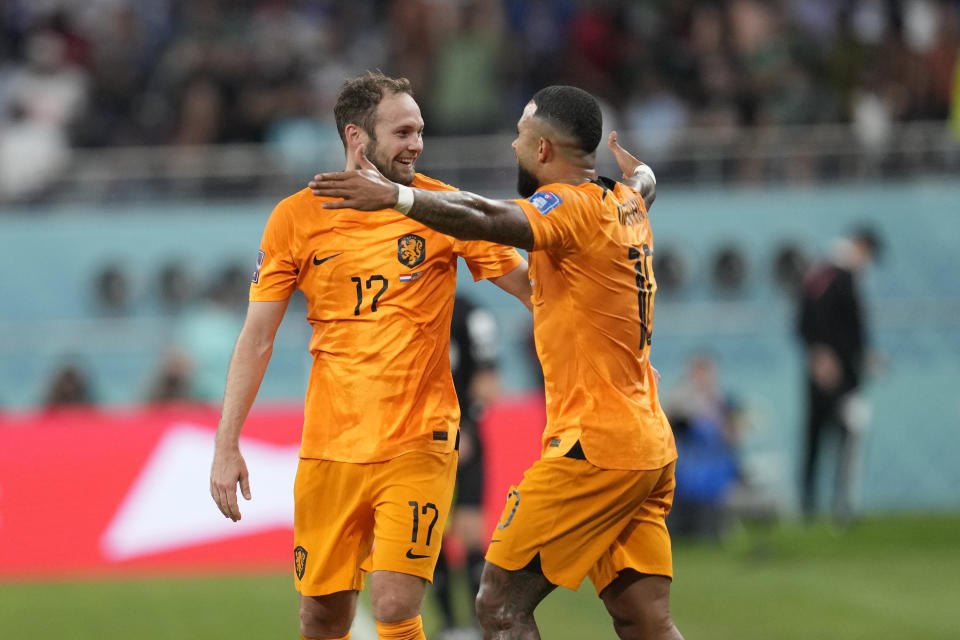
467 216
461 214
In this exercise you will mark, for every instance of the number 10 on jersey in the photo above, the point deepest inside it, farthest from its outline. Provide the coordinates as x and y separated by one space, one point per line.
642 259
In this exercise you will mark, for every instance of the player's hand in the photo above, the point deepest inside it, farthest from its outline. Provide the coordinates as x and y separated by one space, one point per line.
229 469
364 188
656 374
645 184
627 163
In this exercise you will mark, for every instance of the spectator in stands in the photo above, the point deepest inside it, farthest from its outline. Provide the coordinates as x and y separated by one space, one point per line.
205 333
831 325
47 86
32 153
467 73
69 386
44 98
708 426
741 59
168 72
173 382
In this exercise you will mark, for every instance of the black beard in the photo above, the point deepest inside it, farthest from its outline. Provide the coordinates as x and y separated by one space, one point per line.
527 183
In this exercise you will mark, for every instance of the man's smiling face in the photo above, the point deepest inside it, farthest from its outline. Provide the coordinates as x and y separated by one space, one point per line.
397 139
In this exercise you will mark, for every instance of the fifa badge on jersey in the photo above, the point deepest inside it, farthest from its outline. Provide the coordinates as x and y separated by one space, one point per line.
256 272
411 250
545 201
300 561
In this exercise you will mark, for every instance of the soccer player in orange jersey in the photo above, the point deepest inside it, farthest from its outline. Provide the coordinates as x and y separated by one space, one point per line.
595 502
378 453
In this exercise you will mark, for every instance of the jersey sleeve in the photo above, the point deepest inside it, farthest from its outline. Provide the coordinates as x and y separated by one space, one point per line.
559 220
487 259
275 277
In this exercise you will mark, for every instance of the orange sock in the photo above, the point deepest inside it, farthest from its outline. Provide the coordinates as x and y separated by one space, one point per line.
411 629
346 637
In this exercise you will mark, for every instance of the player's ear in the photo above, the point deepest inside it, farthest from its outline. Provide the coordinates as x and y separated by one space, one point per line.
354 135
544 150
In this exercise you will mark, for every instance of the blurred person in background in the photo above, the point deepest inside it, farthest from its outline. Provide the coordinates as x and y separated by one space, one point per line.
173 381
467 72
204 332
378 455
708 425
69 386
473 361
168 73
831 325
596 501
40 101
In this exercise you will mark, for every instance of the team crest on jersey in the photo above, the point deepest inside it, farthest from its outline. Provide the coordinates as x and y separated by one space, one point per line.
300 561
411 250
256 272
545 201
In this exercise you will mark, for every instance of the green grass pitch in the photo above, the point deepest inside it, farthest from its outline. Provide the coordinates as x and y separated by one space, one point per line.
885 578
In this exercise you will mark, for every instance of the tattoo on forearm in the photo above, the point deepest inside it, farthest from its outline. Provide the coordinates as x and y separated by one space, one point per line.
468 216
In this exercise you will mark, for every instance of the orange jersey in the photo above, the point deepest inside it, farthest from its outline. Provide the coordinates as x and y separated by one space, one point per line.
593 289
379 289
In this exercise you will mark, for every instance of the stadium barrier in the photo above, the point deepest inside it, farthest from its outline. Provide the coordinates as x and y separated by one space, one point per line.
85 492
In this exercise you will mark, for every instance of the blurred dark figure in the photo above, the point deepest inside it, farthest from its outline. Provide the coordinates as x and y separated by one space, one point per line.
473 353
173 382
671 269
832 329
790 265
69 386
708 426
175 286
112 289
729 270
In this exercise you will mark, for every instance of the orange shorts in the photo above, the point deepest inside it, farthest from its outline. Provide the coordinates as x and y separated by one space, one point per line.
584 520
384 516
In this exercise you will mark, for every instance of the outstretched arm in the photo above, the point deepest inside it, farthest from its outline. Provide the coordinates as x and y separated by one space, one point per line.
467 216
461 214
644 182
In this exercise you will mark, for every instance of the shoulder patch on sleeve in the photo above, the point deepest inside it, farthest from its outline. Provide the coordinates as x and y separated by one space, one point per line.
256 273
545 201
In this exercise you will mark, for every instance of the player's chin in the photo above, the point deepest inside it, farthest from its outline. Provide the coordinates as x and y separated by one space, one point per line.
403 173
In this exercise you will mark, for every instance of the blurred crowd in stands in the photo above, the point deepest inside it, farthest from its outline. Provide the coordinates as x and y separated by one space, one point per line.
181 72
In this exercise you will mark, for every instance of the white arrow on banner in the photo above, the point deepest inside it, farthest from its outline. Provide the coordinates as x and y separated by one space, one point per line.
169 505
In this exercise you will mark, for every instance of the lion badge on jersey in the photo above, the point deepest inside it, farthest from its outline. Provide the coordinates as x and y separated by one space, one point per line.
300 561
411 250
